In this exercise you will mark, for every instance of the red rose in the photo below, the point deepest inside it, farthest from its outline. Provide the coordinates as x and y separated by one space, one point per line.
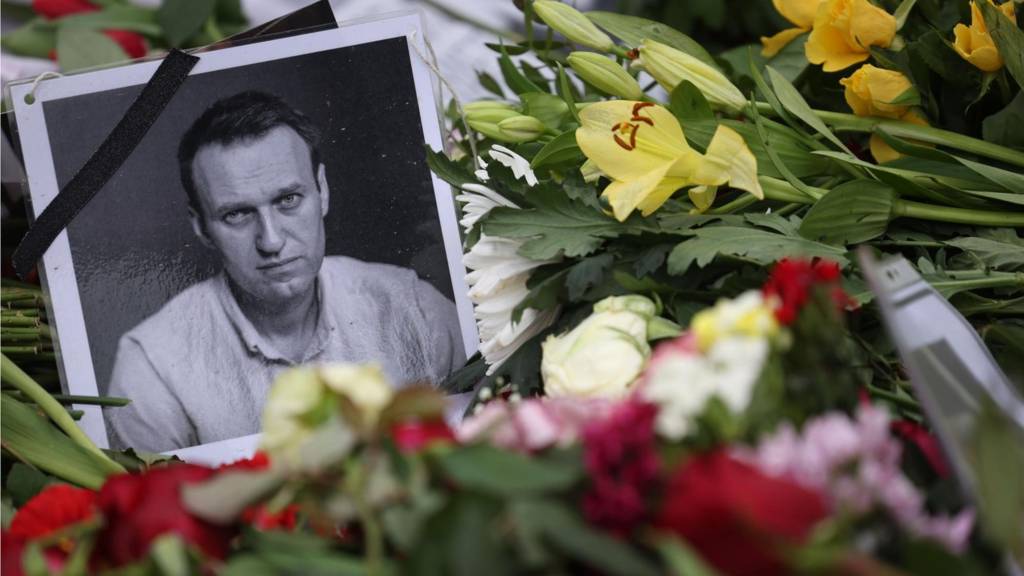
133 44
413 436
138 508
736 516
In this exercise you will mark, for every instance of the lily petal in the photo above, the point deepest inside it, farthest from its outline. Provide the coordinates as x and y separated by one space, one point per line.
703 197
657 143
729 159
625 195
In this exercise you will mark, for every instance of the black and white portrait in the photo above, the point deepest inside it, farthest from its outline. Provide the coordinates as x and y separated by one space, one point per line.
279 212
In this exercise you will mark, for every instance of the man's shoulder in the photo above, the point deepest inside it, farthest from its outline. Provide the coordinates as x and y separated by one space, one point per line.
351 271
180 314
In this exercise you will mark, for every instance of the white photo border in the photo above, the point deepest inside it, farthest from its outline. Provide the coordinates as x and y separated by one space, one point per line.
74 357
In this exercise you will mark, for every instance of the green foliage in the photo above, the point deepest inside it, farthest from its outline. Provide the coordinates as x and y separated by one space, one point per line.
750 244
633 29
79 48
503 473
853 212
182 19
1000 248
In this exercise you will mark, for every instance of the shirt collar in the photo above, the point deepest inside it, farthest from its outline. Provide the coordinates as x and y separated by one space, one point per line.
255 343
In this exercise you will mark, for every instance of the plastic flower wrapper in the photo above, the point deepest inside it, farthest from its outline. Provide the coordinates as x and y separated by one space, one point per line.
604 354
974 43
641 147
845 30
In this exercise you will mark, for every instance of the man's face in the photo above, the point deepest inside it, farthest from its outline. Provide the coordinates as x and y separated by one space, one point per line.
261 210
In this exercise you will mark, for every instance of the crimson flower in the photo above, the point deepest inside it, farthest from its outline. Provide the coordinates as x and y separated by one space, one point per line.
139 508
258 516
133 44
620 456
737 517
925 441
413 435
55 507
792 280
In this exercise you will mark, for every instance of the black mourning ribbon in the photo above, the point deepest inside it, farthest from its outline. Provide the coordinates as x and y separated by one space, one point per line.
106 160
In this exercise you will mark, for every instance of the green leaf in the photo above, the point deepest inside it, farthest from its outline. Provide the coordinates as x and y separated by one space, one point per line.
490 84
909 97
223 498
586 274
562 149
170 555
546 289
756 245
576 188
513 77
853 212
796 156
502 473
548 108
1009 39
1005 127
780 224
231 12
448 170
1000 248
466 378
902 11
556 226
182 19
632 30
33 440
1012 181
116 17
566 531
23 482
36 39
681 559
566 91
688 104
79 48
795 104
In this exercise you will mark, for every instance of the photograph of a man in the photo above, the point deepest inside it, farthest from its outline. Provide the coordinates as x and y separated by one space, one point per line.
198 370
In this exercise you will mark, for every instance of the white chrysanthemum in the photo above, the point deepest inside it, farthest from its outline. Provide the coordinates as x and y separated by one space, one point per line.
682 384
520 166
497 281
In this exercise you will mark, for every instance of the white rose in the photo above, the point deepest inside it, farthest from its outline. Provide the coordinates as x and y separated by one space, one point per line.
602 357
363 384
296 404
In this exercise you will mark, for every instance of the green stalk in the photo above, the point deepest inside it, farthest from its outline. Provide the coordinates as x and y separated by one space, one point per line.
850 123
984 280
74 399
12 374
737 204
923 211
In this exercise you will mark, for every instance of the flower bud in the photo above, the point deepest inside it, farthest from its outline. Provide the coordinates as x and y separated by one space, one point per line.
606 75
484 105
521 129
603 355
670 67
572 24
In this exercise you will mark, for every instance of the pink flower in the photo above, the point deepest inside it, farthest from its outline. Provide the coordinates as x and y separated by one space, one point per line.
531 425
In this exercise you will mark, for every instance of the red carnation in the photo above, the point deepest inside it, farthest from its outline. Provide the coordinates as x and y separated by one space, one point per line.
139 508
133 44
791 281
55 507
737 517
413 436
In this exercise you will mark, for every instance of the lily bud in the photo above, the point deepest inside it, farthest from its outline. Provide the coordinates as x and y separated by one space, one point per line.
572 24
521 129
670 67
606 75
484 117
492 115
482 105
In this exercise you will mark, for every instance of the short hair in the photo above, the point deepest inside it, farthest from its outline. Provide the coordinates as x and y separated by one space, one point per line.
244 116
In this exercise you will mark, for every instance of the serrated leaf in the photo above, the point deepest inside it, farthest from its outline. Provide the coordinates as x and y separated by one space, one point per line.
562 149
780 224
795 104
182 19
688 104
752 244
556 226
546 288
448 170
1009 39
586 274
853 212
466 378
1002 248
490 470
515 79
80 48
632 30
1011 181
576 188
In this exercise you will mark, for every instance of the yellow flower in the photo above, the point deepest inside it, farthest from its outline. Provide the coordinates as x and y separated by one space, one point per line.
975 44
844 30
641 148
800 13
871 91
670 67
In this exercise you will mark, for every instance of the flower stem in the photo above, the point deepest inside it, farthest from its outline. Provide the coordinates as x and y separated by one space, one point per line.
14 375
984 280
949 214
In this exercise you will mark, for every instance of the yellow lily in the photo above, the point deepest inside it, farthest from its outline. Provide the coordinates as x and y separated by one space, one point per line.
800 13
975 44
640 146
844 30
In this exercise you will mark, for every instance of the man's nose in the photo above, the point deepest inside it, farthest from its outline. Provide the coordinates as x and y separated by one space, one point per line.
269 239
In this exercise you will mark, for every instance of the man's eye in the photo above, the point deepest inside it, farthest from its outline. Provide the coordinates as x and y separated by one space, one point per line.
235 216
289 200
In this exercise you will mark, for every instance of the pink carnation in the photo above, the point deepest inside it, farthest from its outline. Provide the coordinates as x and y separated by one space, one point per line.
533 424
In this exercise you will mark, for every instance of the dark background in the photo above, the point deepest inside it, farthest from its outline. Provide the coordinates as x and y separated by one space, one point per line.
132 246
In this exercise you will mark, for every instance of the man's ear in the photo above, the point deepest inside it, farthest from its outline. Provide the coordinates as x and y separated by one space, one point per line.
196 219
325 192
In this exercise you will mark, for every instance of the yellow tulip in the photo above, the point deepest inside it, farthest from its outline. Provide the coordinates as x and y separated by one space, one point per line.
670 67
844 30
974 43
800 13
640 146
871 91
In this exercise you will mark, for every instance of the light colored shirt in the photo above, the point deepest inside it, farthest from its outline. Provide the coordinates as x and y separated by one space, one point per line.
197 371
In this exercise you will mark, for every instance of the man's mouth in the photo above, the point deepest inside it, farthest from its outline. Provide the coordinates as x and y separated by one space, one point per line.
277 264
